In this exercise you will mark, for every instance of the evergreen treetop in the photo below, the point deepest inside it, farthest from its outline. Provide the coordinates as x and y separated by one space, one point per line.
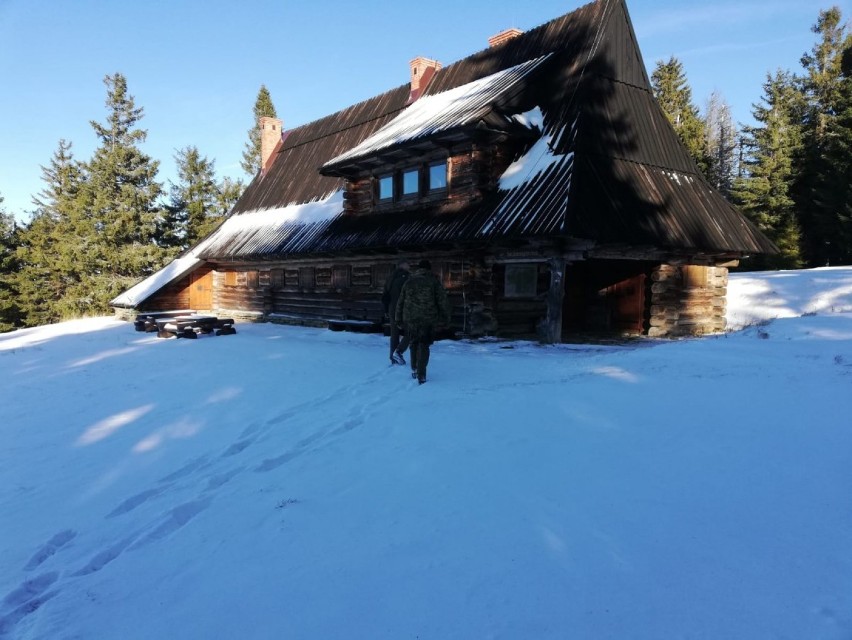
764 192
674 96
193 211
251 155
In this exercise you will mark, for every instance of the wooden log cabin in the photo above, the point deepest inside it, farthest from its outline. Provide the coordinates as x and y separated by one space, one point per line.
539 176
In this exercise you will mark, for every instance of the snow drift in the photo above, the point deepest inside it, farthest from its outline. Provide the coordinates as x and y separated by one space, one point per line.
286 483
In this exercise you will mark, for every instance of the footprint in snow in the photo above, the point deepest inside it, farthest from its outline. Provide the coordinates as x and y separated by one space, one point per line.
103 558
50 547
131 503
218 480
198 463
176 519
237 447
27 599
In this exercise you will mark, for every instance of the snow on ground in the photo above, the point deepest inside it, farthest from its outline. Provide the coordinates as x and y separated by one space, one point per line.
287 483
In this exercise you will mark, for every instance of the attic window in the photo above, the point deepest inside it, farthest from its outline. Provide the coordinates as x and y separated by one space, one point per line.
410 182
385 187
438 175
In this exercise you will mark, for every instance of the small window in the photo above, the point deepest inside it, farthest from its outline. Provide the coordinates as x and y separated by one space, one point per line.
230 278
385 187
251 279
306 278
521 280
438 175
341 277
410 182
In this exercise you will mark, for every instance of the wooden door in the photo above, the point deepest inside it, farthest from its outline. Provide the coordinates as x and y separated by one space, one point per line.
201 290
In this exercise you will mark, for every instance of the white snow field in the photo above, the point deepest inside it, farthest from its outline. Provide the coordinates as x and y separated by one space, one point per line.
287 482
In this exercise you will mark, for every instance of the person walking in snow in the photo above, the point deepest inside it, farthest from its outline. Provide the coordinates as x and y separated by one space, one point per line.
390 296
421 308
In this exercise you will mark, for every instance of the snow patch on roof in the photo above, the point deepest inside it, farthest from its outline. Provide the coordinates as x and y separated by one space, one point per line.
253 226
435 113
317 211
257 230
677 177
535 161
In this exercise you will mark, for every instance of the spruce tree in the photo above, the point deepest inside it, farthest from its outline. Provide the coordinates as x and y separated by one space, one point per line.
674 96
120 198
822 187
229 192
194 209
54 243
771 148
262 107
10 312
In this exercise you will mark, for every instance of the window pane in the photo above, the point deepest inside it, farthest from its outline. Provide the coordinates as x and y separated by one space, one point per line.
385 187
410 182
438 176
521 280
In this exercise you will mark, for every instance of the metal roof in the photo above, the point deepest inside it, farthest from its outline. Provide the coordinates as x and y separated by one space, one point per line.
437 113
622 177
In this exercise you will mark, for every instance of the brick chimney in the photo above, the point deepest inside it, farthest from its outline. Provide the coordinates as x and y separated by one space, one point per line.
270 136
504 36
422 70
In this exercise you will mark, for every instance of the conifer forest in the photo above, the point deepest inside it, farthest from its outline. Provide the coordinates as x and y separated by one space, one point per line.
101 224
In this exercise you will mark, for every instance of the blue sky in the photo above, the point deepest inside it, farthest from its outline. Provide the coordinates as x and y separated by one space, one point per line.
195 66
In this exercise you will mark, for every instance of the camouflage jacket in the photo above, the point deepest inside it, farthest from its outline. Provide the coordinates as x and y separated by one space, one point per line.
423 300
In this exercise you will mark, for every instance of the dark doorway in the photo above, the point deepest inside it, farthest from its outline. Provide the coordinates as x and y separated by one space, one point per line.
605 296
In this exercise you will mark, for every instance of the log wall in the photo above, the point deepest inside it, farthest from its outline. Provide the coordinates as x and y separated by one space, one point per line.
687 300
173 296
315 293
682 300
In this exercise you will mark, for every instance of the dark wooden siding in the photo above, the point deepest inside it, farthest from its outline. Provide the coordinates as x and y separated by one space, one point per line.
474 289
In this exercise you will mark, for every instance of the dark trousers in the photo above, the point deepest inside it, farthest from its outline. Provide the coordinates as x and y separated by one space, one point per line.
396 343
421 337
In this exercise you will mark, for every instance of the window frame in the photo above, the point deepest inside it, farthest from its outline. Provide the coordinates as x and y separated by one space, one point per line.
428 174
396 179
512 275
408 195
379 180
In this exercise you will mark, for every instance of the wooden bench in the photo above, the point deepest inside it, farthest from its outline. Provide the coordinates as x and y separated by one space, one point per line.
146 321
357 326
189 326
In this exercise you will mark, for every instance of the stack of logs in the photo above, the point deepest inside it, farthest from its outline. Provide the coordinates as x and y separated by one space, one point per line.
687 300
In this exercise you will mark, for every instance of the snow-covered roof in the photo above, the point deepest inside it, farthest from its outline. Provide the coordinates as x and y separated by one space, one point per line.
256 231
246 231
451 109
536 160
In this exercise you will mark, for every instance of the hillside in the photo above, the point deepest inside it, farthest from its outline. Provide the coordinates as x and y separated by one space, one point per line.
286 483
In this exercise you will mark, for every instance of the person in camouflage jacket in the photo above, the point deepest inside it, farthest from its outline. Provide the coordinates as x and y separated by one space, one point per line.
422 306
390 297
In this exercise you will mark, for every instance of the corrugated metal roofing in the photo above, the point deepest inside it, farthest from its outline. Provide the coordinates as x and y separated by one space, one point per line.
436 113
623 178
537 207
